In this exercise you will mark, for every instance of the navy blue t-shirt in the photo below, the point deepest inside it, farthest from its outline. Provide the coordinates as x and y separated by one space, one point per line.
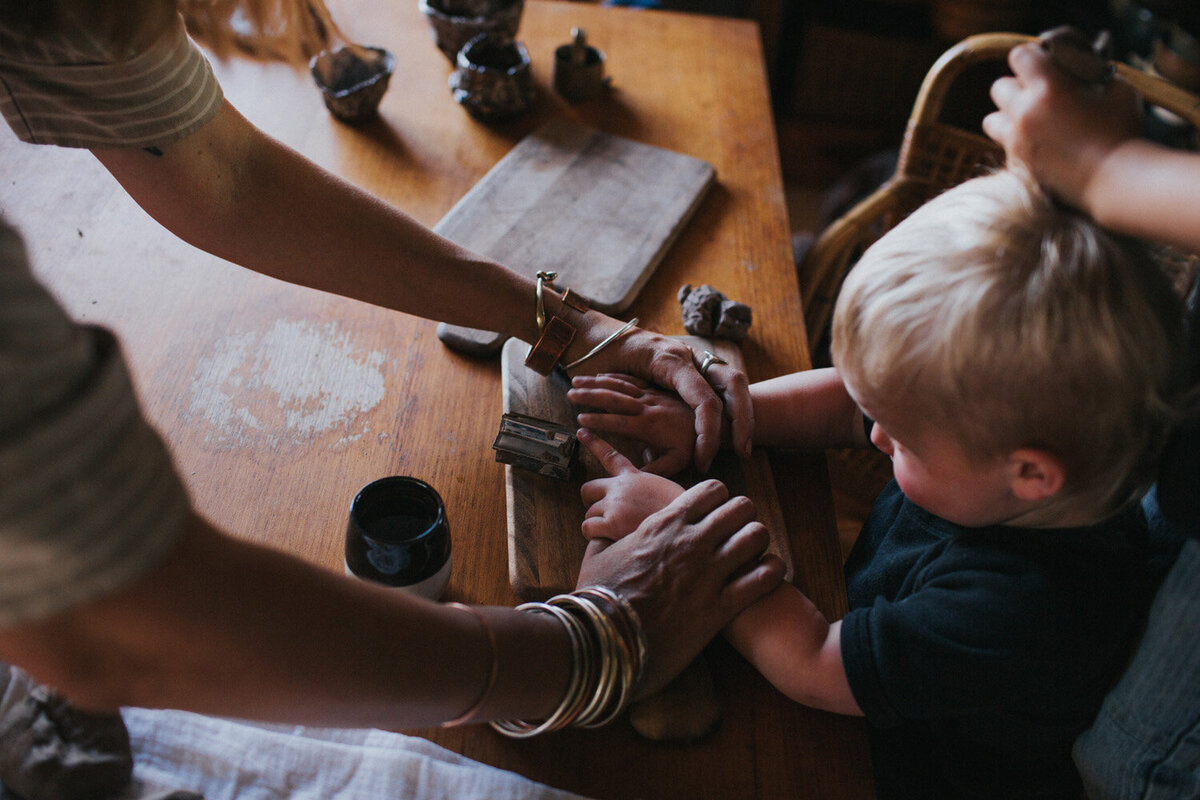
979 655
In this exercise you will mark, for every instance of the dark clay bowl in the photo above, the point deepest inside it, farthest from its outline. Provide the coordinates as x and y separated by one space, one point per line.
453 23
353 80
493 79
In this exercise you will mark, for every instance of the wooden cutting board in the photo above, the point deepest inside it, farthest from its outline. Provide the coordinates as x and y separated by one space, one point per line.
599 209
545 546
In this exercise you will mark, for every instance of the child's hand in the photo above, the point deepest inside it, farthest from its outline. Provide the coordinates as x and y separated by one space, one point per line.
617 505
662 422
1057 127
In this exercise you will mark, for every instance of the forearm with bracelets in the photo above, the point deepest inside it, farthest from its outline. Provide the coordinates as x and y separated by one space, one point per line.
608 657
556 333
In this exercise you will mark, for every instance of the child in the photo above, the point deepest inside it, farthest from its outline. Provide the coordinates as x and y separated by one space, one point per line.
1084 144
1020 367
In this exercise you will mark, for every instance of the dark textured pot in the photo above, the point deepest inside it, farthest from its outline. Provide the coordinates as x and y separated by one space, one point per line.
453 23
493 79
353 80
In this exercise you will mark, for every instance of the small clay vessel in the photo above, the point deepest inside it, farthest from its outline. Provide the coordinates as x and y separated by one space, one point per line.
453 23
578 68
493 79
353 80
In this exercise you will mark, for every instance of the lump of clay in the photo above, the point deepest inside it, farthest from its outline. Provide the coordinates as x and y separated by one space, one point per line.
733 322
686 708
707 312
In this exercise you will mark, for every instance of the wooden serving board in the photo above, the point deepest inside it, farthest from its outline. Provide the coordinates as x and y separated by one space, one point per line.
599 209
545 546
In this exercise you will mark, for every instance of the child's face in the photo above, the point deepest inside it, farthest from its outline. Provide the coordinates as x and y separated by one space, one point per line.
937 473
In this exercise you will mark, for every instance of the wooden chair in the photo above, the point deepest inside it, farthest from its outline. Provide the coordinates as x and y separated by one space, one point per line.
936 153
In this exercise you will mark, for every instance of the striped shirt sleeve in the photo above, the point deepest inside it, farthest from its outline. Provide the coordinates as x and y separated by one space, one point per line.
68 89
89 498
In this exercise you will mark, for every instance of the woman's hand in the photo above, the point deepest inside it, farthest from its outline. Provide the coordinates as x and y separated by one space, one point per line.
669 363
628 406
617 505
687 570
1055 126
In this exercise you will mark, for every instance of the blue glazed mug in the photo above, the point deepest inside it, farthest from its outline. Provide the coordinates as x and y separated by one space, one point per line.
398 536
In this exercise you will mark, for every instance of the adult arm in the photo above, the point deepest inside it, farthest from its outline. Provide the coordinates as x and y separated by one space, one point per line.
226 627
239 194
116 593
1083 142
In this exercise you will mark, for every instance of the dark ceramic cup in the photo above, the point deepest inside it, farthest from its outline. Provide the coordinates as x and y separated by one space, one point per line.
353 80
493 79
398 536
453 23
578 69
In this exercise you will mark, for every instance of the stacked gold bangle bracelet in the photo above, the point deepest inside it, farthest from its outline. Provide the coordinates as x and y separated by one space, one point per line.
608 657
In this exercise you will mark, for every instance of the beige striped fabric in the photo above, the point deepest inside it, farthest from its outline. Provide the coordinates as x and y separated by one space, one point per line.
89 497
67 89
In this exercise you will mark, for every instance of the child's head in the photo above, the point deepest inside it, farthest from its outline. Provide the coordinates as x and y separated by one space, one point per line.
1008 323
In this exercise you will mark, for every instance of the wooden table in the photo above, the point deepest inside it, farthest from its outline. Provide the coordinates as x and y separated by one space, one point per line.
280 402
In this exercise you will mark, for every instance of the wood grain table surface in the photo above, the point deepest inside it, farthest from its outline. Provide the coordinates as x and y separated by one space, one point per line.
280 402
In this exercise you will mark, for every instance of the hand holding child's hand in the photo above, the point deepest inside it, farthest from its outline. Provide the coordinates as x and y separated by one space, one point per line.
617 505
1057 127
687 570
630 407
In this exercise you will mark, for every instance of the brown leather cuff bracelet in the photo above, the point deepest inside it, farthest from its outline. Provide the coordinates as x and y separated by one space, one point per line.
572 299
555 339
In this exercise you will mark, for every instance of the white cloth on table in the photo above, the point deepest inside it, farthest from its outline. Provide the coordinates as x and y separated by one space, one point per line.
224 759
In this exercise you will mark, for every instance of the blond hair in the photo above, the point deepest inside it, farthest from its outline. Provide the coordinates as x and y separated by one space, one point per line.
288 30
1011 322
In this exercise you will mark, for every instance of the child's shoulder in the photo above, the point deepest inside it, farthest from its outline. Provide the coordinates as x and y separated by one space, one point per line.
904 549
992 618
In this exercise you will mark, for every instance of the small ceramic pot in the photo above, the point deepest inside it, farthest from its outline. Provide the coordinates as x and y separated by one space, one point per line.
453 23
578 68
493 79
353 80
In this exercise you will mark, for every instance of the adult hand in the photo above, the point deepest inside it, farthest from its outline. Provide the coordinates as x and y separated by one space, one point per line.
617 505
630 407
687 570
669 363
1055 126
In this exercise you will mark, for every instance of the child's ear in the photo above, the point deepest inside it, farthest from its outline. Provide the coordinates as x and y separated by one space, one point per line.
1035 474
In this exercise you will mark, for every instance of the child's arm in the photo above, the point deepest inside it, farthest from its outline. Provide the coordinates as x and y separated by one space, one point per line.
783 635
790 642
810 409
1083 143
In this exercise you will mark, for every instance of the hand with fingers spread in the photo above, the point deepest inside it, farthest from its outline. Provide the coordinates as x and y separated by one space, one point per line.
1057 127
617 505
630 407
1084 143
688 569
669 363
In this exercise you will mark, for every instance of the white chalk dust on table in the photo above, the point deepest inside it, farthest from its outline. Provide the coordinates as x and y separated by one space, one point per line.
287 385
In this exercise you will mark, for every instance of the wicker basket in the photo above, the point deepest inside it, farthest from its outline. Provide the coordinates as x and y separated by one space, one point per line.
934 156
